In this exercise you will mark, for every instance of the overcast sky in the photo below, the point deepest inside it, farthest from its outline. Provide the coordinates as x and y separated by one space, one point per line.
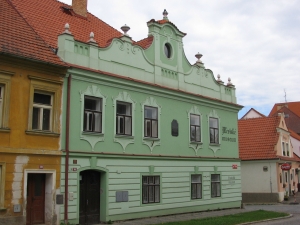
256 43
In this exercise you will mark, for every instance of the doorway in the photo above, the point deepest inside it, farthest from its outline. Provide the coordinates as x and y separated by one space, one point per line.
89 202
35 207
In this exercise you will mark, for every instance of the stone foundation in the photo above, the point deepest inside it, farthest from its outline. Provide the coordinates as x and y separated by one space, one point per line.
259 197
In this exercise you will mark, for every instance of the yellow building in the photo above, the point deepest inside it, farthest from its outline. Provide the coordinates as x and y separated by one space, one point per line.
31 77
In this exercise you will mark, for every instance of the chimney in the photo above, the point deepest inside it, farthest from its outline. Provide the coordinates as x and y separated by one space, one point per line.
80 7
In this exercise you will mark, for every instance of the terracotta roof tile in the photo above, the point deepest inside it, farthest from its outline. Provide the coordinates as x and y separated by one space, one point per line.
292 120
146 42
293 106
17 38
48 18
257 138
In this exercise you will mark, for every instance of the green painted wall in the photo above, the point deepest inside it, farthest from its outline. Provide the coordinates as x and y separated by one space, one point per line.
124 174
127 72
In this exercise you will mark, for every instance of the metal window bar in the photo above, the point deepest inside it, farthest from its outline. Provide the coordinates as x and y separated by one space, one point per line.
151 189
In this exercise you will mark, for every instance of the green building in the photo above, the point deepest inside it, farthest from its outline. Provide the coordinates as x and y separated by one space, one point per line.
144 132
154 133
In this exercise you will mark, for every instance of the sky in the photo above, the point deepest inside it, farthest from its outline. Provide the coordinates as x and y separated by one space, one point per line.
256 43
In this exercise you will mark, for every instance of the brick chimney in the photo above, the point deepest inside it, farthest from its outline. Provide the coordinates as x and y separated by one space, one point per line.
80 7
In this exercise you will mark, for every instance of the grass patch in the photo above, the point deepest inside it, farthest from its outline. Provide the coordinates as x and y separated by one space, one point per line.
232 219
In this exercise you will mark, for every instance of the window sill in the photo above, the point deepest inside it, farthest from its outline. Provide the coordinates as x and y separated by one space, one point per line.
92 133
214 144
42 132
151 139
4 129
196 142
124 136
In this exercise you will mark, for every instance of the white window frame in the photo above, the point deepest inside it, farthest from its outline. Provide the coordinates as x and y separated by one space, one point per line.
41 108
283 148
151 102
128 114
199 125
5 83
218 129
213 114
198 184
151 122
92 112
213 182
49 87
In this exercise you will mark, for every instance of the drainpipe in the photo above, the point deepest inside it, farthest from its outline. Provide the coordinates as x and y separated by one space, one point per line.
67 148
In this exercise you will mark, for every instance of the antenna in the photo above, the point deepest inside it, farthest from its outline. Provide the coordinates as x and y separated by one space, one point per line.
285 95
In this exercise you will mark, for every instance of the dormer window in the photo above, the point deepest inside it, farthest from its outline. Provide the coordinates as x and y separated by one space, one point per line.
283 149
168 50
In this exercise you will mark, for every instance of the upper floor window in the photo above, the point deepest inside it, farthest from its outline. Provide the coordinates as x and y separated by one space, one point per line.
168 50
215 185
42 111
92 121
195 131
214 130
151 121
287 149
283 148
124 118
196 186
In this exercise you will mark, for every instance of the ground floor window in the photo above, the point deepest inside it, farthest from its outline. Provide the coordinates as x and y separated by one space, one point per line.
151 189
196 186
215 185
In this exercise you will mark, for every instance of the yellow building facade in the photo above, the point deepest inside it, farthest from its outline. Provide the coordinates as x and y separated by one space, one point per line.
31 95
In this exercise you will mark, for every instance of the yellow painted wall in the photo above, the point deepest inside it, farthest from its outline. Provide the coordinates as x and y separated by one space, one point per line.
18 150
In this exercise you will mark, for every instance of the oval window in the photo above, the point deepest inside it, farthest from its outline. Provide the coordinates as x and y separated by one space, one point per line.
168 50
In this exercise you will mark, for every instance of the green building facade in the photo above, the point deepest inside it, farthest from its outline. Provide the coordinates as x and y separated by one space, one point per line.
149 134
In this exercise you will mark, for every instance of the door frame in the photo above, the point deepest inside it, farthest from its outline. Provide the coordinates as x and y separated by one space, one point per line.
103 191
50 183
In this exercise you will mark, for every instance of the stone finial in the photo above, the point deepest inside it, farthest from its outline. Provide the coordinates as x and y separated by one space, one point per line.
219 78
67 27
92 40
229 82
125 29
198 56
165 14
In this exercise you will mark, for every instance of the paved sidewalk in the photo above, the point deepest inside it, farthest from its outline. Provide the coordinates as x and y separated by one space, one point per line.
181 217
204 214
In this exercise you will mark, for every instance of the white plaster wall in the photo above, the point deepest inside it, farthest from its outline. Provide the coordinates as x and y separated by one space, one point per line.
252 114
296 146
255 180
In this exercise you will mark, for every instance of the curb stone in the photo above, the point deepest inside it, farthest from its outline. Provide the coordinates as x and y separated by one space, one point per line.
261 221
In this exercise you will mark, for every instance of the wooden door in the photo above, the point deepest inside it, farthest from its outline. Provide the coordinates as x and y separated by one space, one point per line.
35 208
89 206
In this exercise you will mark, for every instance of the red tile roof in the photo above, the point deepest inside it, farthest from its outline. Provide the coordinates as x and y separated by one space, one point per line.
17 38
258 137
145 43
48 19
292 120
294 134
293 106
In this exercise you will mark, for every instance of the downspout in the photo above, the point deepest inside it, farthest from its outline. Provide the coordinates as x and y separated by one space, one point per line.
67 148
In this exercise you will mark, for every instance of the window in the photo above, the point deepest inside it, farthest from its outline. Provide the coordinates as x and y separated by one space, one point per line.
44 106
41 112
196 187
215 185
287 149
92 114
151 189
174 128
150 122
167 49
214 130
283 148
1 102
195 128
124 119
